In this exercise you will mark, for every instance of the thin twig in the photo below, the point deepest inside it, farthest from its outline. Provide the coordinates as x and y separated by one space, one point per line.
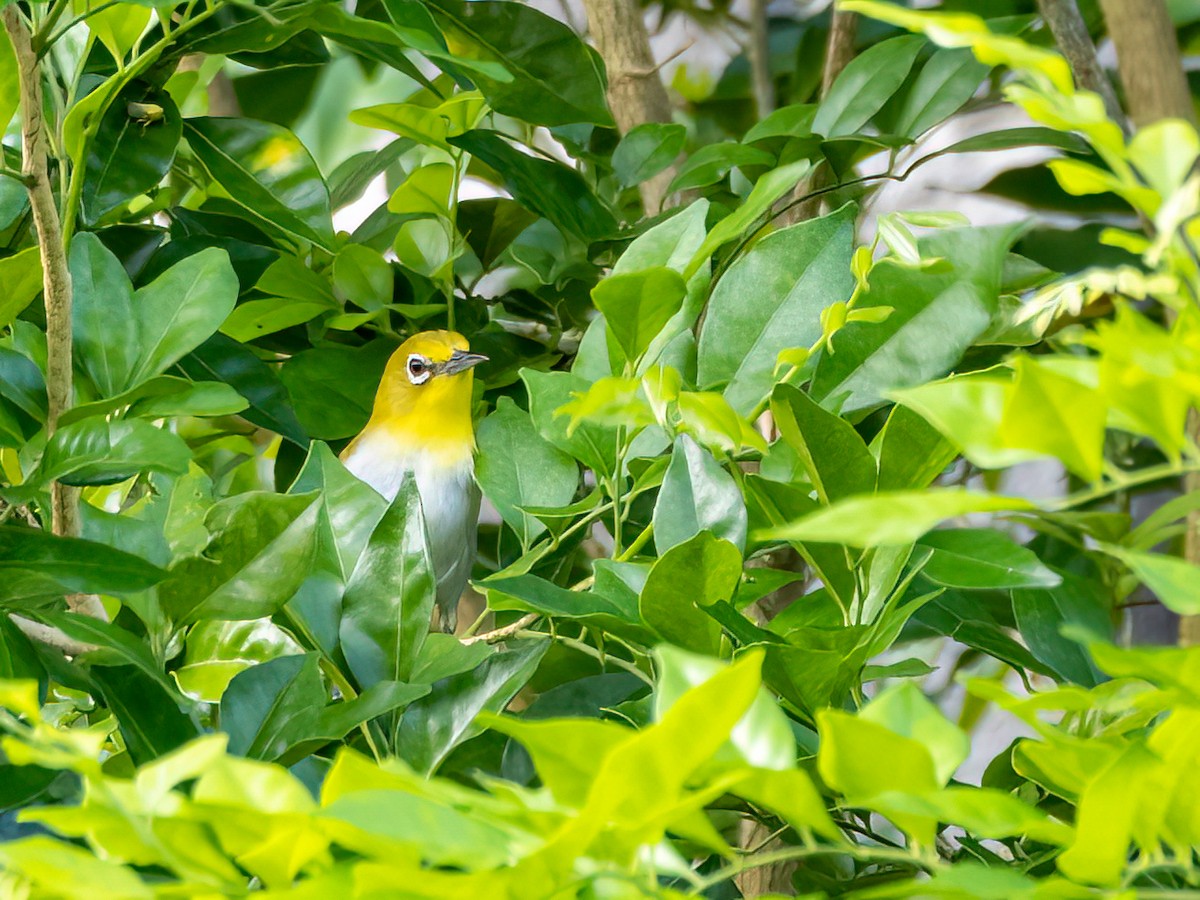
500 634
51 636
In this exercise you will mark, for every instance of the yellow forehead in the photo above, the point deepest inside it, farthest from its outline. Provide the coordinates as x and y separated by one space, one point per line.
436 346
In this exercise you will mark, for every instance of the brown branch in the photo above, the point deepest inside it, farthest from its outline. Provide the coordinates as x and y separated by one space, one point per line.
500 634
56 275
50 636
1070 32
635 92
839 51
1156 88
759 52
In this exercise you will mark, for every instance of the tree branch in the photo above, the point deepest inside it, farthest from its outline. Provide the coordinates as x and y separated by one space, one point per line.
759 52
1070 32
495 637
50 636
1156 88
635 92
56 277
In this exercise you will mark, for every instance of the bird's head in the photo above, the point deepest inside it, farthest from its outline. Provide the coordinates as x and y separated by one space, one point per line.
424 399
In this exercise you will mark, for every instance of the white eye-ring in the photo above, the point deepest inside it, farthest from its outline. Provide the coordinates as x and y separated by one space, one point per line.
419 369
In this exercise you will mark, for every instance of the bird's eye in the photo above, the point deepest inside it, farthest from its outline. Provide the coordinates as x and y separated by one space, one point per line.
418 369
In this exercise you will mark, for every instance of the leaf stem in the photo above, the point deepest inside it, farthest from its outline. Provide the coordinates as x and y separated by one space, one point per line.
589 650
1122 482
864 854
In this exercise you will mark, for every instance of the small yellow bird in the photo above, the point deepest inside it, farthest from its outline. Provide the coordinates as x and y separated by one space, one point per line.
421 425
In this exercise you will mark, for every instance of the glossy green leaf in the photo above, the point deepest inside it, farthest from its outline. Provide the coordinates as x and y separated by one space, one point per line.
517 468
904 710
436 724
865 85
763 738
1043 615
910 452
646 150
265 168
947 81
835 458
38 564
547 188
697 495
149 717
332 387
272 705
685 579
936 315
770 300
891 518
99 451
593 445
127 157
711 163
223 359
168 318
262 549
389 598
982 558
216 651
638 305
553 77
22 276
491 224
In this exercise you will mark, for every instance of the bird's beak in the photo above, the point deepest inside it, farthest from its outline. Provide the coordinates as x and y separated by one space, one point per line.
460 361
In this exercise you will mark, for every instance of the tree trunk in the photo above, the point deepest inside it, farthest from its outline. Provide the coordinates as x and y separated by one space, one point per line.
1071 34
635 91
1156 88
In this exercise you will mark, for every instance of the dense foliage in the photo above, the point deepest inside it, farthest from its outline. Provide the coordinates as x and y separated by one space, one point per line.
724 657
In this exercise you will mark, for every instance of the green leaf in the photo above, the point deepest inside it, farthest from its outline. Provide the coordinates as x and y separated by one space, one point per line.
517 468
691 575
697 495
47 863
593 445
127 158
762 738
262 549
835 458
947 81
711 163
904 710
266 169
1172 580
115 645
491 224
865 85
436 724
1042 615
389 599
1054 415
554 78
983 558
911 452
767 190
216 651
547 188
270 706
10 90
638 305
770 300
98 451
353 508
163 395
38 564
936 315
613 611
787 121
258 318
21 274
168 318
891 518
223 359
646 150
333 386
149 717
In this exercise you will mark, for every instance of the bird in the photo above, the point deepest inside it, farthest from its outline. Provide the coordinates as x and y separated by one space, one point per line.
421 427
